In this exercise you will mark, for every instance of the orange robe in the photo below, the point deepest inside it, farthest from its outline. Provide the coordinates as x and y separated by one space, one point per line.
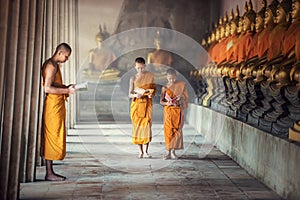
263 41
275 41
252 51
243 47
53 144
297 48
141 111
230 48
174 116
290 37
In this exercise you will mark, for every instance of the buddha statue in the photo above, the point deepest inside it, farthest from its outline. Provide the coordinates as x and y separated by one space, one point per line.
246 38
290 39
231 55
99 60
258 28
159 60
282 20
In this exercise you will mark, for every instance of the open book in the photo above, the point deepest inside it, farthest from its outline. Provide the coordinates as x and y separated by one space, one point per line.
143 91
81 86
172 100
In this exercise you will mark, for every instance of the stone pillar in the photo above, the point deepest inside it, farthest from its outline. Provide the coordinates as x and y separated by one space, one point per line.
3 40
27 90
9 97
16 140
33 158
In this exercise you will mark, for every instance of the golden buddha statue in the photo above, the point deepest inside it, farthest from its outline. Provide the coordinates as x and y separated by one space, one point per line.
99 60
159 60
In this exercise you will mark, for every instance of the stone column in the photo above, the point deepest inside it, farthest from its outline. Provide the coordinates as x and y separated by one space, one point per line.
16 140
35 114
4 9
9 97
27 90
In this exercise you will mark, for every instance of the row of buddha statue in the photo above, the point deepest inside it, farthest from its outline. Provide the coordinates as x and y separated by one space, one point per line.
253 73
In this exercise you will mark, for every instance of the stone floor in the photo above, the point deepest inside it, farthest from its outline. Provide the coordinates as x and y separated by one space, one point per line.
101 163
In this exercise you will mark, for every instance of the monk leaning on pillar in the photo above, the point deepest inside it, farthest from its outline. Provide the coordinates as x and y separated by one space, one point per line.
174 98
54 115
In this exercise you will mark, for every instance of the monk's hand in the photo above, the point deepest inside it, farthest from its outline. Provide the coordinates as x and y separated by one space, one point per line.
138 95
71 89
169 103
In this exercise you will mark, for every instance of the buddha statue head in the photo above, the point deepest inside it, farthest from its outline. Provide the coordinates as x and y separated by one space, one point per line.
249 21
240 27
295 14
260 16
234 23
213 36
100 37
270 13
283 11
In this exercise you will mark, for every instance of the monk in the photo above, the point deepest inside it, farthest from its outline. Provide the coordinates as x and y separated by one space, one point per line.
174 98
141 90
54 114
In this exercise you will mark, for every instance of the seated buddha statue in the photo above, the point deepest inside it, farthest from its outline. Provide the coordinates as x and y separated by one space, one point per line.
159 60
100 59
248 31
269 24
259 27
275 49
290 37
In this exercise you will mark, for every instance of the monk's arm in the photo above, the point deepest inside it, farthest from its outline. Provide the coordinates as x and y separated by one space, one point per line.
162 97
131 93
49 86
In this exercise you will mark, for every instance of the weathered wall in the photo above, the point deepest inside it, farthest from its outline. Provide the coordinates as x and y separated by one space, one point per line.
272 160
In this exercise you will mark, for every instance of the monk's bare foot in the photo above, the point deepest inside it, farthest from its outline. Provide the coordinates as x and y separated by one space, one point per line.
55 177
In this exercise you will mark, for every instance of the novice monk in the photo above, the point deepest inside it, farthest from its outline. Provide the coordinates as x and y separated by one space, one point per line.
174 98
141 89
54 131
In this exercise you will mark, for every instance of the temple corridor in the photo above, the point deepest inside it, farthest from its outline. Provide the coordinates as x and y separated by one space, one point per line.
101 163
242 123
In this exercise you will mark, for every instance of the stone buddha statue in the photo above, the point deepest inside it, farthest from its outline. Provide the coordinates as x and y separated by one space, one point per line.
100 59
159 60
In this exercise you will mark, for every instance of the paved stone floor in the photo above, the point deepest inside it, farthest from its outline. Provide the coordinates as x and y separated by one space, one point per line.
101 163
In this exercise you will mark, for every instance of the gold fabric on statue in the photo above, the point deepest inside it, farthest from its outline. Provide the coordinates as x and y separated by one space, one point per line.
141 111
53 129
174 116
